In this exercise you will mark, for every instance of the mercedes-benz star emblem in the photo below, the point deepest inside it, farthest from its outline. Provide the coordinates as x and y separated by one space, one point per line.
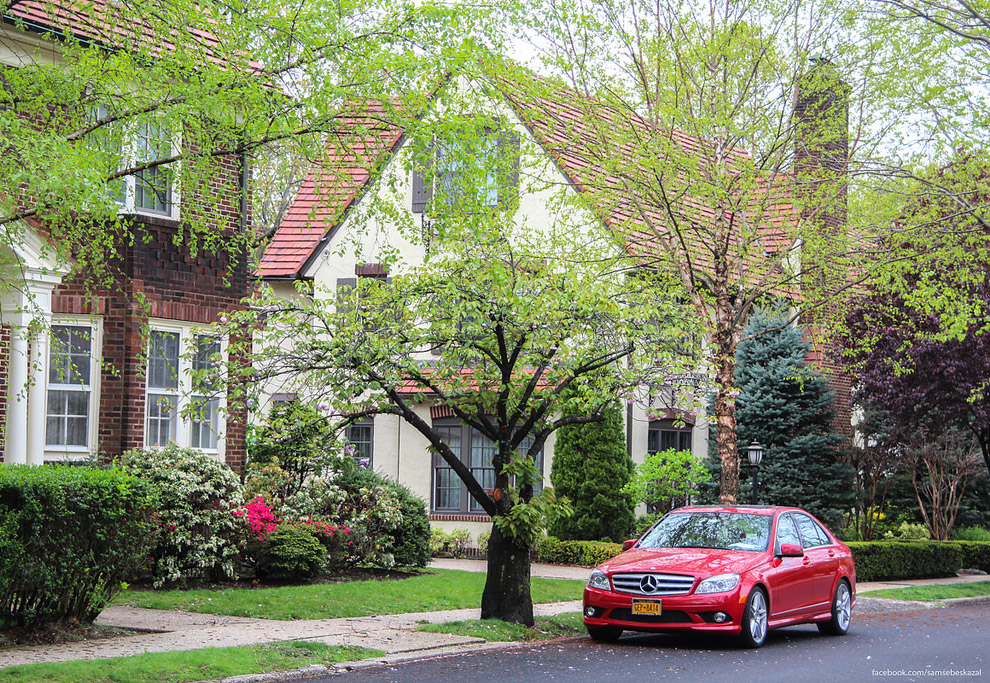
649 584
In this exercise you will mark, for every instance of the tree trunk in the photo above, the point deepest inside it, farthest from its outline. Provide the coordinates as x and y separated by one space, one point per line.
507 595
725 416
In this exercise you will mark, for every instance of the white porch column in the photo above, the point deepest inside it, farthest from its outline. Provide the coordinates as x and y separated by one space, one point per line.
15 431
38 398
29 277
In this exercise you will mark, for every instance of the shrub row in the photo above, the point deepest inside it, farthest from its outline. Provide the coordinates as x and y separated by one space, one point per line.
893 560
587 553
68 537
975 554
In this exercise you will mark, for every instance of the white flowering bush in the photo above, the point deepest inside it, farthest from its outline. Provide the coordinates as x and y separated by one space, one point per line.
199 537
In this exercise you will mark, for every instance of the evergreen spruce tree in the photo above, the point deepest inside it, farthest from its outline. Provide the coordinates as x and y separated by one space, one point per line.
786 406
590 467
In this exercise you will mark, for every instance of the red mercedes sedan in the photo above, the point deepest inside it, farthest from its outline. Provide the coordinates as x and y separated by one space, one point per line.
737 571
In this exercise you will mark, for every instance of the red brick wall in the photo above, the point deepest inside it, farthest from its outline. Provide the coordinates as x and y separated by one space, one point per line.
158 279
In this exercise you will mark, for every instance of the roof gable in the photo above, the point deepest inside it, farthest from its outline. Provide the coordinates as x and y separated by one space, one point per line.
557 124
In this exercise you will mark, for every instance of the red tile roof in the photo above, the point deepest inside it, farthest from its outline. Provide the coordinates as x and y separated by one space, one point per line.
558 117
112 24
365 140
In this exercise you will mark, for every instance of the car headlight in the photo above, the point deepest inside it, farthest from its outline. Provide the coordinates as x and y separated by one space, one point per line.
723 583
599 580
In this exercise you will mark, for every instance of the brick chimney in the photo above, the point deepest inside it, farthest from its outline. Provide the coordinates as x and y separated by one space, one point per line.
821 146
821 187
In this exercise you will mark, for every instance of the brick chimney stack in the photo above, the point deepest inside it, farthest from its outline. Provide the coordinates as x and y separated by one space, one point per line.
821 146
821 188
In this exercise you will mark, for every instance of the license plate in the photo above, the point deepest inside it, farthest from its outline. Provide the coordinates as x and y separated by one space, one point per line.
651 607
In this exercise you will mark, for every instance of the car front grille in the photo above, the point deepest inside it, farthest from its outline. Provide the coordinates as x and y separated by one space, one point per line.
652 584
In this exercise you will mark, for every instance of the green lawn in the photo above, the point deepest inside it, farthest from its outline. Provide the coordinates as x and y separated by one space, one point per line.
437 590
934 592
546 628
192 665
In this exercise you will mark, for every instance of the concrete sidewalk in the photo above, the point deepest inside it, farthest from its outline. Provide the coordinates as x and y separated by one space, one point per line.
169 631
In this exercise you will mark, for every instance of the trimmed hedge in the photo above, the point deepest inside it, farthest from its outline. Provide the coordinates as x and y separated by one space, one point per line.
587 553
291 553
975 554
893 560
68 537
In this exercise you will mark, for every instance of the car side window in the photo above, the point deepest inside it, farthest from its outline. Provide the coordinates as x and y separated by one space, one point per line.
811 533
787 532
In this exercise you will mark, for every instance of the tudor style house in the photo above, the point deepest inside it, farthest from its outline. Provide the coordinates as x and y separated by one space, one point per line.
86 373
331 238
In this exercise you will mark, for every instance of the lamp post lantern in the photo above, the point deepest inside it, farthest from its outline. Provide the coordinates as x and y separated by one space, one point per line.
755 452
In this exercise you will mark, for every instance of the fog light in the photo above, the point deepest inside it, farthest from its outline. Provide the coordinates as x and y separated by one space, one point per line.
721 617
589 611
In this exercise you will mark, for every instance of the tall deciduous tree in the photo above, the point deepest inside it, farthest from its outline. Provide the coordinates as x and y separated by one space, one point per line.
919 380
923 365
715 147
517 334
590 467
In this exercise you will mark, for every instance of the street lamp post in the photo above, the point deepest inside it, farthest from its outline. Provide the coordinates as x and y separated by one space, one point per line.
755 452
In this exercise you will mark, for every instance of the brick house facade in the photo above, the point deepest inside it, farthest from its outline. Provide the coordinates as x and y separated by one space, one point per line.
86 373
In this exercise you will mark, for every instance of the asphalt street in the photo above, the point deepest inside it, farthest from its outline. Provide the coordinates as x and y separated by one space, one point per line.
949 643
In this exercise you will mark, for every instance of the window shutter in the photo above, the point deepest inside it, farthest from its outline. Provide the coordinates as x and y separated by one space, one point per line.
422 185
345 294
509 152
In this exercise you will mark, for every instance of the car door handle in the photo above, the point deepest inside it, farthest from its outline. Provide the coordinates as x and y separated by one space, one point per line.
831 553
807 561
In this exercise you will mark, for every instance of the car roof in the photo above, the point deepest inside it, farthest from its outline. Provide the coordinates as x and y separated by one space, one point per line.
750 509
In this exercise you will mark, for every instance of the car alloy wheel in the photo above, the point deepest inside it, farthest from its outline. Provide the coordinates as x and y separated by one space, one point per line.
841 612
754 626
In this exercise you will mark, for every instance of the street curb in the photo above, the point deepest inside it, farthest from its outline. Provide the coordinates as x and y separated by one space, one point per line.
372 662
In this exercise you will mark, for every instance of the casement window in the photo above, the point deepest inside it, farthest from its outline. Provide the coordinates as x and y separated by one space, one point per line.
151 190
477 452
664 435
73 377
472 174
360 436
176 357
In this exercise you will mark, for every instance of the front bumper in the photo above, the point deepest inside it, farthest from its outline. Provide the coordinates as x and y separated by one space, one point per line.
679 613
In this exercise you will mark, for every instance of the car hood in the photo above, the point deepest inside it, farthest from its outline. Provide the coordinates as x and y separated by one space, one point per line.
696 561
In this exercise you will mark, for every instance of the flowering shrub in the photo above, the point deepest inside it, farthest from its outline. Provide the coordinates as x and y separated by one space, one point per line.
259 517
390 523
198 536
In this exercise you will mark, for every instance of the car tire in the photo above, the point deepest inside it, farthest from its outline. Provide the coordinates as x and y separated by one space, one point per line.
604 635
756 617
838 625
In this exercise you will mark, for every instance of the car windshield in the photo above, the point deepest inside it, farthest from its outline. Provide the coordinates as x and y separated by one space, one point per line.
724 530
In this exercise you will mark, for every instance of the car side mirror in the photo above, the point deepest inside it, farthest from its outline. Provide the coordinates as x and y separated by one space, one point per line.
790 550
626 545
